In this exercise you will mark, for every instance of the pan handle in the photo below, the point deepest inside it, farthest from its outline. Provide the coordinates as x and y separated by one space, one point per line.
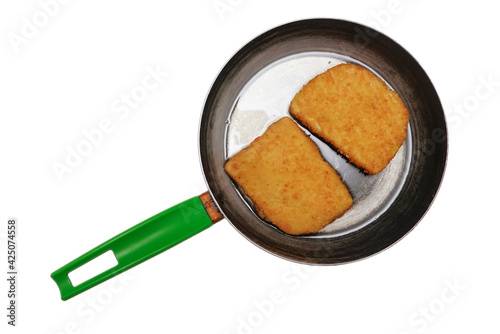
143 241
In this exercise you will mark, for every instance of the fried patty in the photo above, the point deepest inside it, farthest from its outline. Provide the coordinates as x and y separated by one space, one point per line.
289 182
356 112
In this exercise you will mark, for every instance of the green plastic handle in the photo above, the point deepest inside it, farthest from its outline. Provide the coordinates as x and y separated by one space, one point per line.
138 244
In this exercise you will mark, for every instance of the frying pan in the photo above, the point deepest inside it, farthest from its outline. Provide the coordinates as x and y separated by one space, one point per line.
253 90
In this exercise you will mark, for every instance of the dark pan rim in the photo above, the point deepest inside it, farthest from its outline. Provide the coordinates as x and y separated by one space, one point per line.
399 69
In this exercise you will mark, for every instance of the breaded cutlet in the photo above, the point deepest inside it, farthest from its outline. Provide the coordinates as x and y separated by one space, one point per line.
356 112
289 182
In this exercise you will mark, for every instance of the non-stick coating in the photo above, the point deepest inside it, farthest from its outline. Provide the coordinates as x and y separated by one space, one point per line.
390 61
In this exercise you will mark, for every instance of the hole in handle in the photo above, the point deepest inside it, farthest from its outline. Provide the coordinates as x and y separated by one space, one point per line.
93 268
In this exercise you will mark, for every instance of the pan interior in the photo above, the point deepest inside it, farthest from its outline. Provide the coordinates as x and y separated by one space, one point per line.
266 98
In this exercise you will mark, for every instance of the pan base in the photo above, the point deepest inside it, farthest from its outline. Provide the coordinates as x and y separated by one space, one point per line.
266 98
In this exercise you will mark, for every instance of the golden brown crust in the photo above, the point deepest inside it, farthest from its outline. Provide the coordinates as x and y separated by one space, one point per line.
289 182
356 112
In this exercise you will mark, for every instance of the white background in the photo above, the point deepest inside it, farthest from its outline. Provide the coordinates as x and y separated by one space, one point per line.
64 79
